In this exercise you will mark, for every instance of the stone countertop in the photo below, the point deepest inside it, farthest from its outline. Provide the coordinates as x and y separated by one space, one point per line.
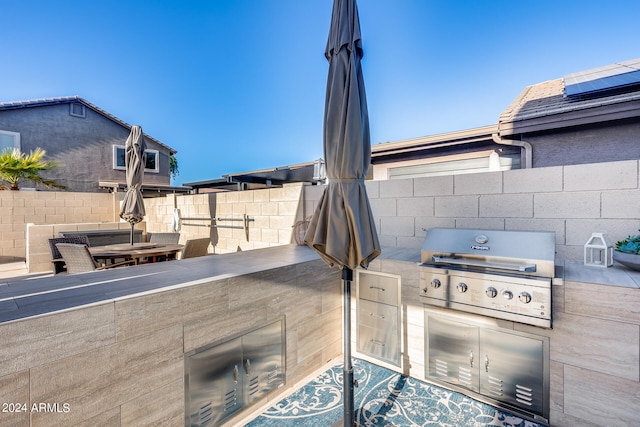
575 271
618 275
24 298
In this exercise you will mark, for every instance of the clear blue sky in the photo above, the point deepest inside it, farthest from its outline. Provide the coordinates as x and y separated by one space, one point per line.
239 85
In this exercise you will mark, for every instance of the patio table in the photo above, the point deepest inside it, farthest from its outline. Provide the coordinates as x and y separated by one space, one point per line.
150 252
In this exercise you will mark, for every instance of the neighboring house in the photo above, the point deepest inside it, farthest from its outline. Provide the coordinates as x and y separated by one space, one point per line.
85 140
468 151
586 117
310 172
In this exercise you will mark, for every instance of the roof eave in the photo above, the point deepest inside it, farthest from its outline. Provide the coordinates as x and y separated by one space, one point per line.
571 118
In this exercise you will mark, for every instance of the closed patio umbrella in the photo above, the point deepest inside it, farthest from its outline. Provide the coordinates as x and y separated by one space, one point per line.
132 209
342 229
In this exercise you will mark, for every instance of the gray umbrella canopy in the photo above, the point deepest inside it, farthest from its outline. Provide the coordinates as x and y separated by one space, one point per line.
132 209
342 229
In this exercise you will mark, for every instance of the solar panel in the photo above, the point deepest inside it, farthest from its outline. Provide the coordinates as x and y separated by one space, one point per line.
614 77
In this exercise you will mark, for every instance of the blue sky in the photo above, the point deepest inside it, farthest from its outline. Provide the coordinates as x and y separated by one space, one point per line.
239 85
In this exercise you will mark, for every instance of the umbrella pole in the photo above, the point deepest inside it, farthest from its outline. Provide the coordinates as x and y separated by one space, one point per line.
347 277
131 238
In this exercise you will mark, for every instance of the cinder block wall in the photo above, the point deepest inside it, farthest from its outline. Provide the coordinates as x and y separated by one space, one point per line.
573 201
273 212
19 208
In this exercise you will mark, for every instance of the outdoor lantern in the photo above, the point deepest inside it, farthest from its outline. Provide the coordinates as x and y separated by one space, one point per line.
598 252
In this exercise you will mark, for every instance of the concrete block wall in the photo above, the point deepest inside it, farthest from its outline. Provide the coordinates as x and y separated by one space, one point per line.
573 201
19 208
274 212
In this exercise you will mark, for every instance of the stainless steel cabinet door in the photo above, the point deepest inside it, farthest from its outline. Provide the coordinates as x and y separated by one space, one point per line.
453 351
512 369
263 360
215 383
379 331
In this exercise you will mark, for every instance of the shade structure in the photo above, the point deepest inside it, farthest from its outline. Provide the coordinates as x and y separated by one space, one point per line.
342 230
132 209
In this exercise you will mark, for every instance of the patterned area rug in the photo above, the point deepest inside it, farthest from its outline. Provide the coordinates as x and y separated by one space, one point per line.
383 398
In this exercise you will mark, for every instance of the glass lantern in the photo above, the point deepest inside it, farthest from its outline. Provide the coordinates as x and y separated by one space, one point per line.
598 252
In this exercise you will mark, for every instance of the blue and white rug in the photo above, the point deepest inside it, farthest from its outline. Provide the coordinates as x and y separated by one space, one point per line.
383 398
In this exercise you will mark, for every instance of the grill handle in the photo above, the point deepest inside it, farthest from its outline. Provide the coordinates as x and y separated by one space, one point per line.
445 260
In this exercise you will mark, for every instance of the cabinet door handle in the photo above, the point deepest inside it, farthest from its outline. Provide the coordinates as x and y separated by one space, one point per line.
247 367
486 363
380 343
377 287
236 373
471 358
379 316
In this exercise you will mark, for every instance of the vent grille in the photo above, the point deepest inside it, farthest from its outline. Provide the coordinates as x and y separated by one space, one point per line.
496 387
465 376
205 413
524 395
442 368
254 385
230 399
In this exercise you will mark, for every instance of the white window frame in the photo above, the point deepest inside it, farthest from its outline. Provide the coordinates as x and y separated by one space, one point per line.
457 164
16 138
154 153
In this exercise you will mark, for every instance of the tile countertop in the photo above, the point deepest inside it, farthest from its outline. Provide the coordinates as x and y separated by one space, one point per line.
24 298
618 275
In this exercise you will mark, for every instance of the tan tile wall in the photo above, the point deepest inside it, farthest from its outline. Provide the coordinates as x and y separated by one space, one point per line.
122 362
594 348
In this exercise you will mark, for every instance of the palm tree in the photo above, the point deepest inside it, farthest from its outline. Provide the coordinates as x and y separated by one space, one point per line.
15 166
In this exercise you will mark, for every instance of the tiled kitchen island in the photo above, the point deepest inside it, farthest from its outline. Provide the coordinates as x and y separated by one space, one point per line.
107 348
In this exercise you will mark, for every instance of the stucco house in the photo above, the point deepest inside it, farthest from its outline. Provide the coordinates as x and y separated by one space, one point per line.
590 116
87 141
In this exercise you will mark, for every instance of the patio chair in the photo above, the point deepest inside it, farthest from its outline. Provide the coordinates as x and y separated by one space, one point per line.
169 238
79 259
195 248
58 263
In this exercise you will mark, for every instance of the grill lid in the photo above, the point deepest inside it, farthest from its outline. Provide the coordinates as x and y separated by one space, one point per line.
521 252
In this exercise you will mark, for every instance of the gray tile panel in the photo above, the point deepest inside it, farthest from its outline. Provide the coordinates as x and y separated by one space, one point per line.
25 298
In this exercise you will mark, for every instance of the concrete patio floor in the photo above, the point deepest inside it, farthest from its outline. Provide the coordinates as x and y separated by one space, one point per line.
18 269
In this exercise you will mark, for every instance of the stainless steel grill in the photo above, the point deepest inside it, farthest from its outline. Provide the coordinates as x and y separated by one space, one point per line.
497 273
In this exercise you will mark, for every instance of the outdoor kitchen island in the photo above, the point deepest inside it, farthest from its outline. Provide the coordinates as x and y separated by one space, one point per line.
111 344
108 347
594 340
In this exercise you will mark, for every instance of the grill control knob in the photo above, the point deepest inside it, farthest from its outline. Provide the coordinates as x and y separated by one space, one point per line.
462 287
507 294
491 292
525 297
435 283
